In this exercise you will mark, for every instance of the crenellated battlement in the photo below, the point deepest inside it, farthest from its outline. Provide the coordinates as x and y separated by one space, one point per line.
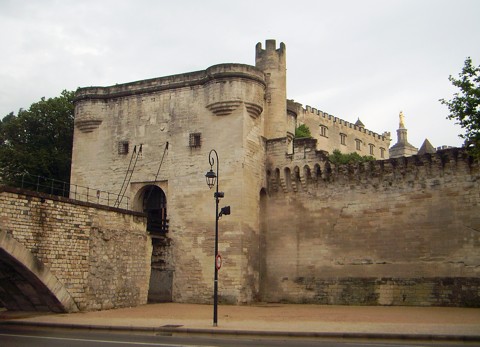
400 231
270 46
332 119
419 172
272 62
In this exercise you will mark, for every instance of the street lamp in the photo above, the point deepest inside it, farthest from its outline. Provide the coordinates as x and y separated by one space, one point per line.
212 180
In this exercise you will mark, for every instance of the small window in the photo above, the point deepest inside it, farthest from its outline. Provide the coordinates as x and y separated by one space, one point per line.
382 152
123 147
195 140
372 146
358 144
343 139
323 131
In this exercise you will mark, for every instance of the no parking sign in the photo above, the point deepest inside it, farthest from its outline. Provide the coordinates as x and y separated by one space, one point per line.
218 261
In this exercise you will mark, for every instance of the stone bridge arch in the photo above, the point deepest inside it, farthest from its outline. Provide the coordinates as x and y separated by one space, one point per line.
26 284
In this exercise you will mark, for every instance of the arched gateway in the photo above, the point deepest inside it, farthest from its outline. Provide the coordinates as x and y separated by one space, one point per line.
155 206
152 200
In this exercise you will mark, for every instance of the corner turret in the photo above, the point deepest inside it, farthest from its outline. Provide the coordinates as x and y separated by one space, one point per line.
272 62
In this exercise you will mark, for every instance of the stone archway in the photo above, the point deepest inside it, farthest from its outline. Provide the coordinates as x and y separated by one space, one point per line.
152 200
155 206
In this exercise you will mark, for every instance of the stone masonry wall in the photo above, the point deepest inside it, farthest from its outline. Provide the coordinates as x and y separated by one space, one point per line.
222 105
397 232
101 255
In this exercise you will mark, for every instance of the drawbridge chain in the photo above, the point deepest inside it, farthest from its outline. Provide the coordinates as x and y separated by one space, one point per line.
131 169
159 167
128 174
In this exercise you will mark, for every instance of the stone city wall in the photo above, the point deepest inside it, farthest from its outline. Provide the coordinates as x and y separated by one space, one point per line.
402 231
101 255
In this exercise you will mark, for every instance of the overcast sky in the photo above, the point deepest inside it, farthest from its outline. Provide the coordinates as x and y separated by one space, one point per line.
367 58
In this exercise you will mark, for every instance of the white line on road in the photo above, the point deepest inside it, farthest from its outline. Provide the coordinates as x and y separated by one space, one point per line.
381 344
105 341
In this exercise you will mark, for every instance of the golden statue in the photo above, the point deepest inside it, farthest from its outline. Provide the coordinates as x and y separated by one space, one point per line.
402 120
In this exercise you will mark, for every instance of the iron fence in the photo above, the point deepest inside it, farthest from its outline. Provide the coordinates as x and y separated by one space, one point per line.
68 190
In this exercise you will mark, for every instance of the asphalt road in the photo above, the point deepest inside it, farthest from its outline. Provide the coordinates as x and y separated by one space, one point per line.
26 336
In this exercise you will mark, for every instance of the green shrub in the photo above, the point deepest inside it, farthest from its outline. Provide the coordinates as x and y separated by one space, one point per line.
338 158
303 131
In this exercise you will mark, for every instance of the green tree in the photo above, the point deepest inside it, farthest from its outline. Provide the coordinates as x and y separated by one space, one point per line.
302 131
464 107
38 141
338 158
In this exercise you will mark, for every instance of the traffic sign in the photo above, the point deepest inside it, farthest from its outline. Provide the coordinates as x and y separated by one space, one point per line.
218 261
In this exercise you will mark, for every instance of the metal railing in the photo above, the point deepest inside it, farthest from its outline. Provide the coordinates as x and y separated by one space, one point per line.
68 190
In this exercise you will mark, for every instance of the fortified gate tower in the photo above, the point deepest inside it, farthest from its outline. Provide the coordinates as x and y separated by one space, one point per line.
149 140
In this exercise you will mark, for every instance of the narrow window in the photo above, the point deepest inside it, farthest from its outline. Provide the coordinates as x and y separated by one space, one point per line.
123 147
195 140
372 146
382 152
323 131
343 139
358 144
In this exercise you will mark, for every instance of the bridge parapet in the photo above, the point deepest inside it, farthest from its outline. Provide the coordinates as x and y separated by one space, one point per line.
100 254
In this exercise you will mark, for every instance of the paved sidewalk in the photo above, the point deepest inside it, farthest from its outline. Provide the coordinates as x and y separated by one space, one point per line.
431 323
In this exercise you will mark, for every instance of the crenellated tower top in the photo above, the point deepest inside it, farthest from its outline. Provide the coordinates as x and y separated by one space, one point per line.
272 62
270 47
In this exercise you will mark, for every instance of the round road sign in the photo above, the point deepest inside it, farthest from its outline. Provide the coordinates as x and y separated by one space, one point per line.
218 261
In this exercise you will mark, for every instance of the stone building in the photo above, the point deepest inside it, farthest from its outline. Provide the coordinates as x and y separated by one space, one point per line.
334 133
150 141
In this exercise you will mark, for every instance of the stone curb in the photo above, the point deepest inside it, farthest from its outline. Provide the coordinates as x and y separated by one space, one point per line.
262 333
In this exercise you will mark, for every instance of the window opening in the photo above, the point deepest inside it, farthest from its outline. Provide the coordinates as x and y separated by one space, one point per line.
195 140
358 144
323 131
123 147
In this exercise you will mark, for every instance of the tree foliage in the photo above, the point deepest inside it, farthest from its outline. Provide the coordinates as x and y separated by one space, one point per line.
338 158
464 107
303 131
38 141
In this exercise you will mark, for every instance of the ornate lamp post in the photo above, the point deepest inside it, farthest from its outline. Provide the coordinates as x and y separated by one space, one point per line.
212 179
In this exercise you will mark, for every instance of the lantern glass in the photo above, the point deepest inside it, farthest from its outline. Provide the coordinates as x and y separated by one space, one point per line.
210 177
